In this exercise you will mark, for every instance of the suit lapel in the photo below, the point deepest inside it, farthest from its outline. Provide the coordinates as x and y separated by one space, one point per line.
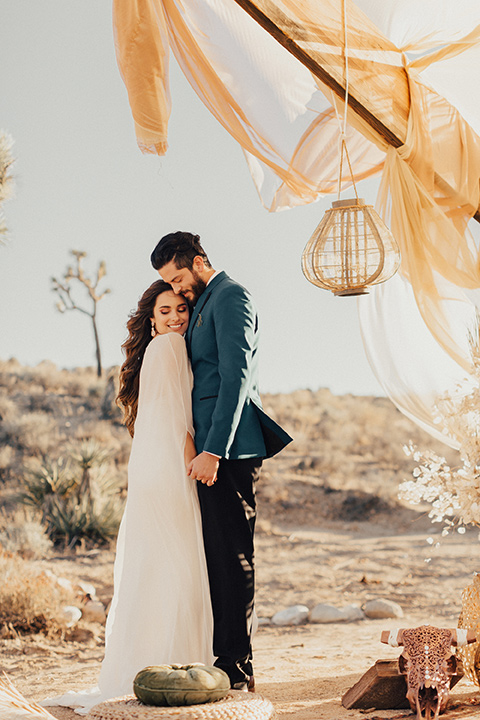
196 317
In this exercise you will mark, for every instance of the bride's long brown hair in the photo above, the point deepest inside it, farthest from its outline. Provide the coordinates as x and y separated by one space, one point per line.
139 336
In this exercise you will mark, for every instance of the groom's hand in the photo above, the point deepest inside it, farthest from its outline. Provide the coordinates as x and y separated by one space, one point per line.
204 468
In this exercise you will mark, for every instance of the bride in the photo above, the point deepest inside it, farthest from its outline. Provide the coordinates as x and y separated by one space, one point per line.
160 612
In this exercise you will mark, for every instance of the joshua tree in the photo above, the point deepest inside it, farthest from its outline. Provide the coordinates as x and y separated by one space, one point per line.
6 179
63 289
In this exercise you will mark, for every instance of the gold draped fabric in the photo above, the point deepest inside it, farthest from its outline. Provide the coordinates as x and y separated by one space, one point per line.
410 64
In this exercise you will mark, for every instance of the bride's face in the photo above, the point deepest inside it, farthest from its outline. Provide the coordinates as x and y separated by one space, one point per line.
170 313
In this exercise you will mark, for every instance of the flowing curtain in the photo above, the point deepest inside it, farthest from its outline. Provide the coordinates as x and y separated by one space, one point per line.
415 63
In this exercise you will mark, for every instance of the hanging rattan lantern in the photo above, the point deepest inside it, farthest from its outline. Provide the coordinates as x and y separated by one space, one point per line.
351 249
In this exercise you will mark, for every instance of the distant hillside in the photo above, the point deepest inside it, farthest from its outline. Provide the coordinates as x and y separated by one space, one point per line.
345 463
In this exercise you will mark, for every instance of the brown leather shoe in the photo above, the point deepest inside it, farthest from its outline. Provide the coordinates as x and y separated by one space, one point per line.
251 684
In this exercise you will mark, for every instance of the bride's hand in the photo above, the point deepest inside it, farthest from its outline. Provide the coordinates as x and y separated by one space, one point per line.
190 450
204 468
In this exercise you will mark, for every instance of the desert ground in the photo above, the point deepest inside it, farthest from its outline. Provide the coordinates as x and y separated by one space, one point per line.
330 530
303 670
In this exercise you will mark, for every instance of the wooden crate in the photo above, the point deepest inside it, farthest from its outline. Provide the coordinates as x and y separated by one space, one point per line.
383 688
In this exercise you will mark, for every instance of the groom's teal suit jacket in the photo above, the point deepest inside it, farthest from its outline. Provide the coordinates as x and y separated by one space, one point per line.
222 341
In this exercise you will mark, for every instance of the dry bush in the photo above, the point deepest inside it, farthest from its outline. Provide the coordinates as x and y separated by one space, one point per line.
110 409
43 378
8 373
7 455
8 408
30 601
102 431
46 377
22 532
78 497
344 443
82 387
346 461
33 432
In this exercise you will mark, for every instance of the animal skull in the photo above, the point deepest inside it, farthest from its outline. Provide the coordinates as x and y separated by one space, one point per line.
428 663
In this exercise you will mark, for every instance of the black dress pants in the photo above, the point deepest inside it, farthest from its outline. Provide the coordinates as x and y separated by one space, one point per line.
228 518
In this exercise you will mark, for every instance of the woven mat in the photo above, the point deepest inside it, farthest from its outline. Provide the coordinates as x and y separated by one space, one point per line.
236 706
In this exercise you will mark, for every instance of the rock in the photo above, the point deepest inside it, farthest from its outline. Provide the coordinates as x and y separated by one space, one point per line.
323 613
61 581
294 615
87 589
352 612
65 584
71 615
264 621
80 634
381 609
94 611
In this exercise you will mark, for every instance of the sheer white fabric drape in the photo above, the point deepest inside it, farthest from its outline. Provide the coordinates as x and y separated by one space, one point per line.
284 119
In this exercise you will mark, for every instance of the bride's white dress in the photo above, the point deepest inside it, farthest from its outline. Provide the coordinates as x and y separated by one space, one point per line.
160 612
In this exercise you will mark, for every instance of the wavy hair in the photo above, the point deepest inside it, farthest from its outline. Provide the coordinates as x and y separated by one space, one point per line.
139 336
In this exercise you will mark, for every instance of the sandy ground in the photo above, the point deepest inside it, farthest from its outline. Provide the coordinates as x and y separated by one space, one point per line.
303 670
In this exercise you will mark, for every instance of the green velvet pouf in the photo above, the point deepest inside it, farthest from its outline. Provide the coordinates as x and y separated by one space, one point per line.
180 684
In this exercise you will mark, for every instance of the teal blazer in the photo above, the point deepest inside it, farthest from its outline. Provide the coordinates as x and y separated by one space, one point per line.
222 341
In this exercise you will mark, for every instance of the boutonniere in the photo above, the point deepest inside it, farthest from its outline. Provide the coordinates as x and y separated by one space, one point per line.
200 320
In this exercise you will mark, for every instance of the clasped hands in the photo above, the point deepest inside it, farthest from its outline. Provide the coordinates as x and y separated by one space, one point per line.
203 468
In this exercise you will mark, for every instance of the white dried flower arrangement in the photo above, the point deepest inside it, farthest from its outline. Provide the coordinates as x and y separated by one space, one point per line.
454 493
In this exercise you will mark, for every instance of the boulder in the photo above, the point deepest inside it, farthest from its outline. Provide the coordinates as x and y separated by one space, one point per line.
323 613
87 589
71 615
294 615
94 611
381 609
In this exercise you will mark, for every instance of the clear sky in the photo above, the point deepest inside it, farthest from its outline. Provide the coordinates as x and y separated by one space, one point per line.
81 183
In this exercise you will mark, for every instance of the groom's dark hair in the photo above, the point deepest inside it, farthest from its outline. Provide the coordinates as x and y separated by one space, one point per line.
181 247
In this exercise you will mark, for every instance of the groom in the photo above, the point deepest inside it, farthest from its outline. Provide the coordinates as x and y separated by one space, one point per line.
232 436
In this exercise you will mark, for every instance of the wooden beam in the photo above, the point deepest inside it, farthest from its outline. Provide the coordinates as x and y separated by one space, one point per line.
370 92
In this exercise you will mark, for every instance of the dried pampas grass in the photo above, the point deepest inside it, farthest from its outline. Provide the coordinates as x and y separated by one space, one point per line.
13 705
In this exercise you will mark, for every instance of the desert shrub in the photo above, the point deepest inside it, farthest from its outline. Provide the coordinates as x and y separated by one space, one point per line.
23 533
39 403
34 432
87 519
101 430
8 373
110 409
46 377
78 497
8 408
83 382
45 481
30 601
7 455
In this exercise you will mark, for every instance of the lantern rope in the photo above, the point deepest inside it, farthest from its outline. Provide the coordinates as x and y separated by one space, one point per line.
343 132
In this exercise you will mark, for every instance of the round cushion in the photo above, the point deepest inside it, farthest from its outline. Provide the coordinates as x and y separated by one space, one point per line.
180 684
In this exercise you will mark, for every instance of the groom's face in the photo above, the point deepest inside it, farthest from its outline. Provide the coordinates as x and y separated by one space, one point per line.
184 281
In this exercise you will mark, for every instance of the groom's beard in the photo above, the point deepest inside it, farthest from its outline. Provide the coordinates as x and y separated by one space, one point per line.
197 288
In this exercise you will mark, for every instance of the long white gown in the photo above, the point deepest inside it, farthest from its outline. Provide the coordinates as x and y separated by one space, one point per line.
161 611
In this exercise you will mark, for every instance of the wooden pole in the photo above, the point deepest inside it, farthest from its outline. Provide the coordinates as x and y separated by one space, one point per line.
392 128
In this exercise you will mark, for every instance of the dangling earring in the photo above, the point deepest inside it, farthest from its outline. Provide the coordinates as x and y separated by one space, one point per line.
154 329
